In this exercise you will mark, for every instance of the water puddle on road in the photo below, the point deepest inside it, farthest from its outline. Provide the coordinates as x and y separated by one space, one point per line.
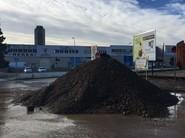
19 124
34 84
16 123
176 109
40 124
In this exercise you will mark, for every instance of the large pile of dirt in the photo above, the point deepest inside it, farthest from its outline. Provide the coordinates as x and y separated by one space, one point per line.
102 86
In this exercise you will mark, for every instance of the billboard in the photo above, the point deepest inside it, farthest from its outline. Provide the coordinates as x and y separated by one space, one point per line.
141 64
144 46
93 52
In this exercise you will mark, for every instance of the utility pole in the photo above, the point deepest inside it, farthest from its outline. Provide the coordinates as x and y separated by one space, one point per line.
74 51
0 22
163 52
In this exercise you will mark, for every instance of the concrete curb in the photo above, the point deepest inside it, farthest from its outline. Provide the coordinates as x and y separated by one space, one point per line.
24 76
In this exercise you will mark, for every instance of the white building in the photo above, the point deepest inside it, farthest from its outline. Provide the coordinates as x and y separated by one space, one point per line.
62 57
122 53
66 57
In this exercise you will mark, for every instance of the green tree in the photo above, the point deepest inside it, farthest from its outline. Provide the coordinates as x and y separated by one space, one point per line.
3 46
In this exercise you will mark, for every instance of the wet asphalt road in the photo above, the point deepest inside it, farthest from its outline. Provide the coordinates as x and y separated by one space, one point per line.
16 123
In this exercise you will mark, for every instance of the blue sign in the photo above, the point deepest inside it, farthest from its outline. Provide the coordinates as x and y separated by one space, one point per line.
74 60
128 60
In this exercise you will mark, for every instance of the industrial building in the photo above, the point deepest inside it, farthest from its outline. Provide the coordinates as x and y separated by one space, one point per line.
59 57
39 35
169 56
66 57
180 51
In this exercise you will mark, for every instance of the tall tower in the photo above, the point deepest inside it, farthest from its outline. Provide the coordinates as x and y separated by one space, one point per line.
39 35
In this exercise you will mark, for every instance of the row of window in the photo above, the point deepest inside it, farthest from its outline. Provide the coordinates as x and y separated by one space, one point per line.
57 51
120 50
22 50
102 51
14 54
60 51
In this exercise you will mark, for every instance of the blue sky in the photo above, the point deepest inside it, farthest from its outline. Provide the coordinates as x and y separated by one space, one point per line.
100 22
157 4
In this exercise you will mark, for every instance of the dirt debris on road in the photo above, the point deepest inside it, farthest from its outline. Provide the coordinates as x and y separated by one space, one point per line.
102 86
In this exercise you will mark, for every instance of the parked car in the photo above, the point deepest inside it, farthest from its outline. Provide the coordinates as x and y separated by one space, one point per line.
27 69
42 69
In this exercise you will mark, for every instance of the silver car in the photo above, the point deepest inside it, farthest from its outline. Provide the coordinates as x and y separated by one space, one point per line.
27 69
42 69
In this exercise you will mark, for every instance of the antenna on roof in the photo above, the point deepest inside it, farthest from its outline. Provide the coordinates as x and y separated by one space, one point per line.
0 22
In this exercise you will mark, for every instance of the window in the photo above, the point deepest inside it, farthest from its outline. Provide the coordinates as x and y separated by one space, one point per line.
119 50
9 50
56 51
87 51
29 50
25 50
102 51
19 50
34 50
14 50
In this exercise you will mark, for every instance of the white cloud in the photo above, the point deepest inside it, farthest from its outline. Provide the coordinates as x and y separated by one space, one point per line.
176 8
91 21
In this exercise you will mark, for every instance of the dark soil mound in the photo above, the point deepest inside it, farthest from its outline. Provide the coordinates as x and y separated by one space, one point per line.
102 86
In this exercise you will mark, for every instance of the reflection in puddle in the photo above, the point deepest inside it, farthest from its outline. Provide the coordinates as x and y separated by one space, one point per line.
19 124
173 109
26 84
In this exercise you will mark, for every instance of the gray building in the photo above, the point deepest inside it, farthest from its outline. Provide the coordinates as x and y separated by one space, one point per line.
59 57
169 55
51 57
39 35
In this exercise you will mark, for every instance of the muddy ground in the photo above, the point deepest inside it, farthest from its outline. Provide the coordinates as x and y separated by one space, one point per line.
16 123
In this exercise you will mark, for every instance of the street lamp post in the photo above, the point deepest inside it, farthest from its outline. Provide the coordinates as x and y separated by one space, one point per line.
16 73
74 51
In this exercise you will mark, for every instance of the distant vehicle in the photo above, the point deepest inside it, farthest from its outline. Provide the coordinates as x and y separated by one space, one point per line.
42 69
27 69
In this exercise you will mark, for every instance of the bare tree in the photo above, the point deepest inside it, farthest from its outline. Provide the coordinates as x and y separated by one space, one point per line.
3 46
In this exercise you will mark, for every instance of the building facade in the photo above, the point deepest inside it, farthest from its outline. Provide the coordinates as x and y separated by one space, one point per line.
169 56
61 57
66 57
180 51
39 35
